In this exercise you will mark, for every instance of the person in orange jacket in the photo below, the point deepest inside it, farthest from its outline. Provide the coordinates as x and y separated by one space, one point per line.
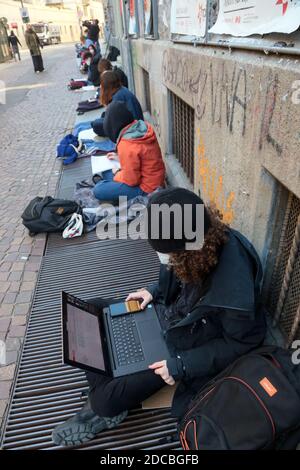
142 169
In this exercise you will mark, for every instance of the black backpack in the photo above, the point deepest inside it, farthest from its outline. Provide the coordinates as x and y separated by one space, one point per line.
48 214
253 404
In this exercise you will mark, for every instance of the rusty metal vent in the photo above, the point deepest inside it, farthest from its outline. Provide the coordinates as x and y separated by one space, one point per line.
284 291
46 392
183 134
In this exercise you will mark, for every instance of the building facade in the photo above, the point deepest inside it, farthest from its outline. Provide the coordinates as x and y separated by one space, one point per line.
68 14
226 111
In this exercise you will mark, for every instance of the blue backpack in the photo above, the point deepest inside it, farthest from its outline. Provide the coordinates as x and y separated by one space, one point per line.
69 148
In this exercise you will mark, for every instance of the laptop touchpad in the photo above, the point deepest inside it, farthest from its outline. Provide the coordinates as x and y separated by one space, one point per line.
147 331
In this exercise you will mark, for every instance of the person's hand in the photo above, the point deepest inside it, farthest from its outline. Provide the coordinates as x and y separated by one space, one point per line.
112 156
160 368
143 295
115 170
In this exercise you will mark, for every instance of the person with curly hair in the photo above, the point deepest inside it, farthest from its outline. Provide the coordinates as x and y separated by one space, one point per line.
208 302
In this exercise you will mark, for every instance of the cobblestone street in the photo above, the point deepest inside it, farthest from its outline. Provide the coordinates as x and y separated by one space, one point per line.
39 110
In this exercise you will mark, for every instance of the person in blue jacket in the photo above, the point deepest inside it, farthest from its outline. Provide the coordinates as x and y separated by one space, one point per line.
112 90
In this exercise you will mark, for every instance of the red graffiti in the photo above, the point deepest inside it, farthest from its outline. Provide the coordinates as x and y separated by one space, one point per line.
284 4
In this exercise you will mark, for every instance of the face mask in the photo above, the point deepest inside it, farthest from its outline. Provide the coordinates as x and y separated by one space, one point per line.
164 258
88 62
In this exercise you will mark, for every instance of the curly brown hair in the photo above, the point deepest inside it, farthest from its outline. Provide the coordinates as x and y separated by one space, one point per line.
194 266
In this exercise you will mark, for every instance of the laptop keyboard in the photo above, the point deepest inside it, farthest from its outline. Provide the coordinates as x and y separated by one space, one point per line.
126 339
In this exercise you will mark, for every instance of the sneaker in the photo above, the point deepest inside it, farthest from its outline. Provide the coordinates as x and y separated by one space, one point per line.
83 427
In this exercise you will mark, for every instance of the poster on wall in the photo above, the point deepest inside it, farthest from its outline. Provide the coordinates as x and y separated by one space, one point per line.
246 17
188 18
132 27
148 17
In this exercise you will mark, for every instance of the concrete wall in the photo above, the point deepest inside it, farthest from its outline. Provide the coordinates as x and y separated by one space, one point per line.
247 126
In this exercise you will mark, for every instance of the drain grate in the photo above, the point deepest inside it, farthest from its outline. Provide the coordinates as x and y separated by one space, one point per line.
46 392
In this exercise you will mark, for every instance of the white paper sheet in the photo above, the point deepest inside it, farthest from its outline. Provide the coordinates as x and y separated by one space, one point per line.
102 163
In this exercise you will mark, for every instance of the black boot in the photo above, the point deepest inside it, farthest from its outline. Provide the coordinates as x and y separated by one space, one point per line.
83 427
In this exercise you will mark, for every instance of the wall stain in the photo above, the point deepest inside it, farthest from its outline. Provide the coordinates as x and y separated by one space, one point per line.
209 183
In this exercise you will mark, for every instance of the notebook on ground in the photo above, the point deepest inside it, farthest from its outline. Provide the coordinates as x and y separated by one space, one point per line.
102 163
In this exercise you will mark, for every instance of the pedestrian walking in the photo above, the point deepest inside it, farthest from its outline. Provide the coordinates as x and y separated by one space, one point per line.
34 45
14 44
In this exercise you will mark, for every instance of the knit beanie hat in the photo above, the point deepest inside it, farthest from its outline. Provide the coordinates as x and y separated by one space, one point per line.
177 229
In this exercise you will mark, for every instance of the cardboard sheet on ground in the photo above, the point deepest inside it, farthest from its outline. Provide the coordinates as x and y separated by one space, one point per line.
161 399
102 163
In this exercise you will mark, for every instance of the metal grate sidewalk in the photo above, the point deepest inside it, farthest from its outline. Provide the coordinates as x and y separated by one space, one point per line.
46 392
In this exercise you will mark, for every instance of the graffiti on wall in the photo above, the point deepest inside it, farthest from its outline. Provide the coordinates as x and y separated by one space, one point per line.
220 93
209 179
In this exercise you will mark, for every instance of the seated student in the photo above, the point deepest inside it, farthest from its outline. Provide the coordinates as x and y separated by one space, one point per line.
142 167
92 58
112 90
208 302
105 65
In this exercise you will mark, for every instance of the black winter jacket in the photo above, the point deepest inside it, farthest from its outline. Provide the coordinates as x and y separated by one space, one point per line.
93 74
227 321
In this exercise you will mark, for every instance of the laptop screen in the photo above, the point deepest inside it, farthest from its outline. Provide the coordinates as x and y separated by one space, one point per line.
84 338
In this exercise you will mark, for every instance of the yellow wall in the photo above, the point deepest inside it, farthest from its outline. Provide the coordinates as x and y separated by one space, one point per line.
66 16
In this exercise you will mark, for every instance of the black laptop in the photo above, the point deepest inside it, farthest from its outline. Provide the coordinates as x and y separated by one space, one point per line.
116 340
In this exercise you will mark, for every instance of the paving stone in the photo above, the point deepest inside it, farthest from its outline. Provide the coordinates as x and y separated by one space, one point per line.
4 286
10 298
3 405
11 257
29 276
27 286
4 324
11 357
15 276
21 309
4 276
5 267
16 331
4 389
18 266
14 287
7 372
32 267
23 297
12 344
19 320
6 310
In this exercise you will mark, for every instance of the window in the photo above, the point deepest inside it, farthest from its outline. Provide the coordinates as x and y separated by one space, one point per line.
283 300
150 18
183 119
275 42
132 18
147 90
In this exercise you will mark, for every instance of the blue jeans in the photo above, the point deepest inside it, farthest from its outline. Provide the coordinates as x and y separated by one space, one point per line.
109 190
